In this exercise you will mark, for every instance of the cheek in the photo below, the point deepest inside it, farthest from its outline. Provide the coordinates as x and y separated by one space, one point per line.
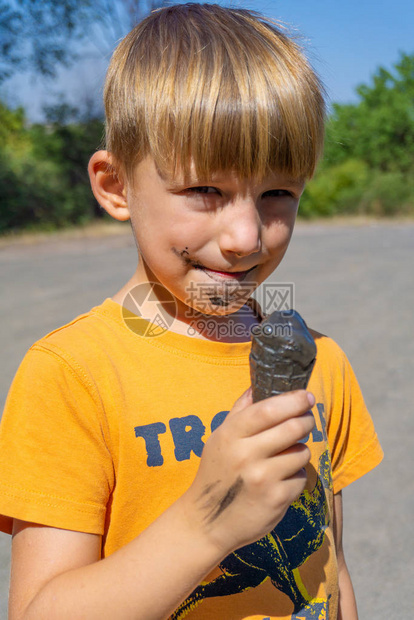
188 238
280 222
168 248
277 236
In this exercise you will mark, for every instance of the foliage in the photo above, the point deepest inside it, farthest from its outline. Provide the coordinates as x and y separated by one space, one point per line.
368 164
353 188
380 129
335 189
37 35
40 36
43 172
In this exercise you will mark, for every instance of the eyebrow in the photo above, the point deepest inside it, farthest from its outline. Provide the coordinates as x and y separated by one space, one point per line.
182 181
160 172
295 181
172 181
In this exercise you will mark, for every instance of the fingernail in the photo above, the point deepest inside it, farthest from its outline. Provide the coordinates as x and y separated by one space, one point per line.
311 398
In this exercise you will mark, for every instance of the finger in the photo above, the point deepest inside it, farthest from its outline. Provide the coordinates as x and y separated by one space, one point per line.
245 400
294 486
290 471
288 468
275 410
292 461
279 438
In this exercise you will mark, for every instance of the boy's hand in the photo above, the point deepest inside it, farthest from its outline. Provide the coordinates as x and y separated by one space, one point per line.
251 469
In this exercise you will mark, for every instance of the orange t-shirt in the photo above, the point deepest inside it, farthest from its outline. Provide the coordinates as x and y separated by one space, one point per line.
103 430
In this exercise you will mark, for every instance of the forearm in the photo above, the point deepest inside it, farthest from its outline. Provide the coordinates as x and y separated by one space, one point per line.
347 608
147 579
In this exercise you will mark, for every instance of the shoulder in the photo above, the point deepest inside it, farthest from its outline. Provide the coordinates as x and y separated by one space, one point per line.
88 338
353 443
333 378
73 357
328 351
84 328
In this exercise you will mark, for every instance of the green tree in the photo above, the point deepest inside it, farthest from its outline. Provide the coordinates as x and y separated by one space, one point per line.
40 36
368 165
43 169
380 128
37 35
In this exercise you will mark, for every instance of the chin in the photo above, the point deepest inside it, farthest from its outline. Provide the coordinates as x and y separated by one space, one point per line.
217 307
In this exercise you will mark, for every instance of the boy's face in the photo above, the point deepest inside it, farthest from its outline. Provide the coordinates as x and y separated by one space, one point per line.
210 242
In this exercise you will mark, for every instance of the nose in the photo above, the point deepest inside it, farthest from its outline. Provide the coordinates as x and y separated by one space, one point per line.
240 228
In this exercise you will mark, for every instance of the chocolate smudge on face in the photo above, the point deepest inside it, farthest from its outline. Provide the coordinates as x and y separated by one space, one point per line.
220 294
185 256
219 301
226 499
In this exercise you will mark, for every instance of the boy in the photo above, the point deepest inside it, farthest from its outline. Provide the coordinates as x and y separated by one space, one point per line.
129 490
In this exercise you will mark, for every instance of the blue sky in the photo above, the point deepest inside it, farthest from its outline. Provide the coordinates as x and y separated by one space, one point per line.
346 41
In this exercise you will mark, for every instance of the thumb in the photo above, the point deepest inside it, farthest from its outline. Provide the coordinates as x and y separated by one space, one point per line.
245 400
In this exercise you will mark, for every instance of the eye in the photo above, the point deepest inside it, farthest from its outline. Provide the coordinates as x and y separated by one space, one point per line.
203 189
277 193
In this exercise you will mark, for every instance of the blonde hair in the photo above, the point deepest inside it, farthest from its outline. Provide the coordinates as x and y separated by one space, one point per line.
224 89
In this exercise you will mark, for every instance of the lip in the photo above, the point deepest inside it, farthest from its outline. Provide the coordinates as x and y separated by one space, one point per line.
220 276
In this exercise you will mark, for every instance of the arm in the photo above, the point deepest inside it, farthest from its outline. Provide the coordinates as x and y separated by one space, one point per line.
253 458
57 573
347 609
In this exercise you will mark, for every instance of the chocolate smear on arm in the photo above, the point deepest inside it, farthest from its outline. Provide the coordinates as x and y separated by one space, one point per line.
226 499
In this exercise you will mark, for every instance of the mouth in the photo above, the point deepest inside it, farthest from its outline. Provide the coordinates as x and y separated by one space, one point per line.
218 275
225 276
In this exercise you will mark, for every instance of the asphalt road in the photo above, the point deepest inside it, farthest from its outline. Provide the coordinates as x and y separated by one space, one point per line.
353 282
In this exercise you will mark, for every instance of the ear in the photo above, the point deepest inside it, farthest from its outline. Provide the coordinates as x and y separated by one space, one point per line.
108 186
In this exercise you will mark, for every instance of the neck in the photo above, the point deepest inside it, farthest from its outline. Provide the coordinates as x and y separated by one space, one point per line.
234 327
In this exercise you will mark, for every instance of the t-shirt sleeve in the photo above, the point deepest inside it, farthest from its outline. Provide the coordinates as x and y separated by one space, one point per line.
55 465
354 444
